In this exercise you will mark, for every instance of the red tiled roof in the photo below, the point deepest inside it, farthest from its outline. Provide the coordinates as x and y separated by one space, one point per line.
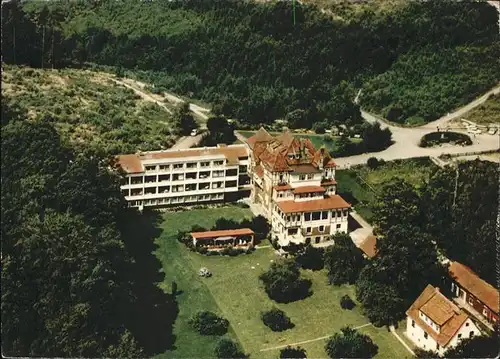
441 310
331 163
283 187
470 281
130 163
222 233
328 182
260 136
331 202
274 153
368 246
259 170
308 189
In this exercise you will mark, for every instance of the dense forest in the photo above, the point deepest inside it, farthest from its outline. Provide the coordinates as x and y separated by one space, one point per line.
77 270
417 60
453 214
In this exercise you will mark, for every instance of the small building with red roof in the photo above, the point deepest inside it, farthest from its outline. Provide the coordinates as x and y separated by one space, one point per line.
218 240
435 323
473 292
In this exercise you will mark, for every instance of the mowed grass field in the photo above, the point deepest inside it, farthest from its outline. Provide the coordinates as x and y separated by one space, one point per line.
360 185
235 292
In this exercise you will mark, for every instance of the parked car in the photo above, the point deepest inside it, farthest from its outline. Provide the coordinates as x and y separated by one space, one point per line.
492 131
194 132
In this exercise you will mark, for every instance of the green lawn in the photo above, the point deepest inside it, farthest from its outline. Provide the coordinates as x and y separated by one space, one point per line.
177 265
359 185
235 291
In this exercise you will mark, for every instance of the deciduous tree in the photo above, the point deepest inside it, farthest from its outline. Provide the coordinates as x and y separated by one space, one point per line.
350 343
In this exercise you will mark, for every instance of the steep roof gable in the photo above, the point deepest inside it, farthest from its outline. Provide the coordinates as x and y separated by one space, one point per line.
439 309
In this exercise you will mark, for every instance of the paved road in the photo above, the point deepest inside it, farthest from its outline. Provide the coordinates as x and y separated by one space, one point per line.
406 139
186 142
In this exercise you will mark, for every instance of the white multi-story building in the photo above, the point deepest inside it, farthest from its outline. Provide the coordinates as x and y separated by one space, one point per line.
294 183
175 177
436 323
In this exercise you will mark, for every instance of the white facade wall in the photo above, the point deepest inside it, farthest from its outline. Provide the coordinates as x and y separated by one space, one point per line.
182 189
282 223
417 335
464 332
312 179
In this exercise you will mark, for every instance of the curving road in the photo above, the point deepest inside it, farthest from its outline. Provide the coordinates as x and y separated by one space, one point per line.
406 139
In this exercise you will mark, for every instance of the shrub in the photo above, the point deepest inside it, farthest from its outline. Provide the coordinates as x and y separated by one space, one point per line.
372 163
310 258
283 284
319 128
202 250
276 319
290 352
425 354
185 238
243 205
208 323
435 138
350 344
226 348
347 303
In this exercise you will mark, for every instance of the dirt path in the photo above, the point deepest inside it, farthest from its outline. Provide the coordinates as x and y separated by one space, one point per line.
393 331
309 341
141 93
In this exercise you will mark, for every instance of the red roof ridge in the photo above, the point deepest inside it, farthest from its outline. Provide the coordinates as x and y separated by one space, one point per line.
478 287
224 232
327 203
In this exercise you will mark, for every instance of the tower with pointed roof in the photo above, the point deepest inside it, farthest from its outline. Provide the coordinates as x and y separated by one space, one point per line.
295 184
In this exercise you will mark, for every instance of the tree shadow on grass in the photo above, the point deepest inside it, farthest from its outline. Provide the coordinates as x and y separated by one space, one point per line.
349 197
152 314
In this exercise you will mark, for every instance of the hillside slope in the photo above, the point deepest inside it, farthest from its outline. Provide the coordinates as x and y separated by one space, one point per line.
252 62
88 109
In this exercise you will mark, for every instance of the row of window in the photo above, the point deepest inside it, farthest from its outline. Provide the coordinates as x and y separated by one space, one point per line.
314 216
179 188
426 335
306 177
182 176
317 239
178 166
175 200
